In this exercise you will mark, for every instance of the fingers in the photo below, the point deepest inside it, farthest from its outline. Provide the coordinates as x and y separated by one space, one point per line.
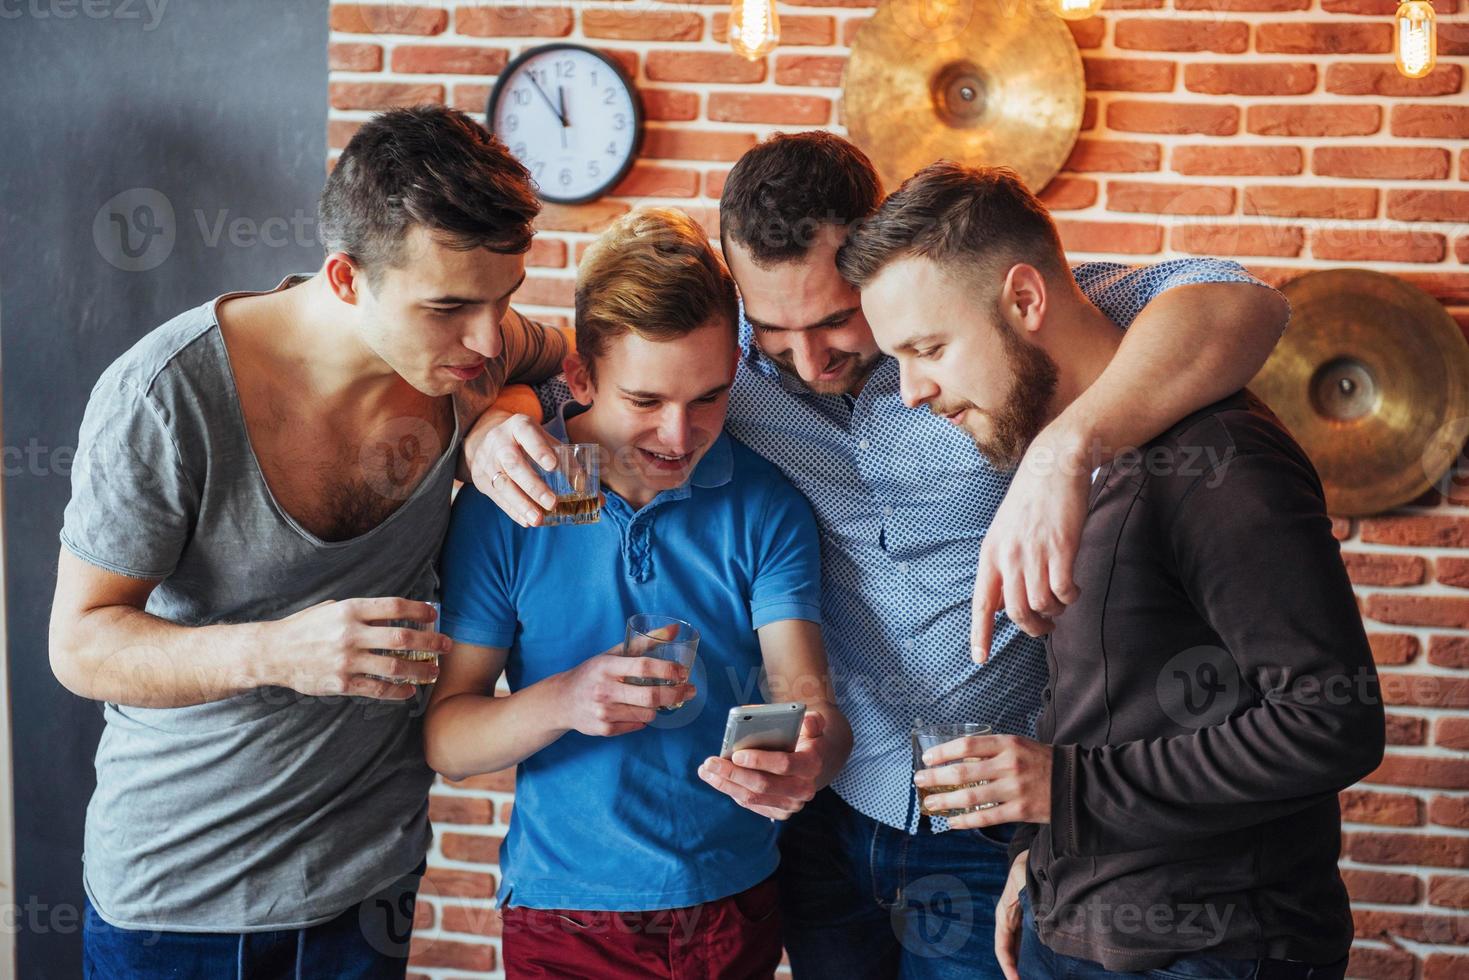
802 764
653 697
969 747
390 607
714 771
1007 812
1034 559
648 667
380 690
1017 605
404 672
813 725
404 638
1007 935
764 788
958 774
520 492
1060 563
617 715
987 595
964 799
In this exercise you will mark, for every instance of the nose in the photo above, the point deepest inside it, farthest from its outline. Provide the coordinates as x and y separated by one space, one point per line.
483 335
808 355
675 431
915 389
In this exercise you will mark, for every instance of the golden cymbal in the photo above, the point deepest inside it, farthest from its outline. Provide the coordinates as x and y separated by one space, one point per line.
1372 378
979 82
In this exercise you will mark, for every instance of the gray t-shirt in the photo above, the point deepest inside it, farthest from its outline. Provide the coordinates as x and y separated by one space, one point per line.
268 810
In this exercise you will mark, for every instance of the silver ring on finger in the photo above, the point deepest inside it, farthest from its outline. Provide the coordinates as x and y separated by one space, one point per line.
495 480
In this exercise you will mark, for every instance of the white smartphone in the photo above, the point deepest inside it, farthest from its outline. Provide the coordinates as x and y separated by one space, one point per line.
772 727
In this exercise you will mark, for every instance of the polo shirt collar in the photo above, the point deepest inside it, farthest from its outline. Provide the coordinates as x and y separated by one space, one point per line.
714 470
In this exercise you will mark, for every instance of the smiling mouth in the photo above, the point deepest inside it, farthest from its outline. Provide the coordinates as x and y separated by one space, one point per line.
665 461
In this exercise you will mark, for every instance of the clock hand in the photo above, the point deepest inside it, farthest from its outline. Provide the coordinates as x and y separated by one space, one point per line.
561 99
559 117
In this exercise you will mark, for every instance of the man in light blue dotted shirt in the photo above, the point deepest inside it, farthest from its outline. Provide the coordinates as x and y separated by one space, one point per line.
872 887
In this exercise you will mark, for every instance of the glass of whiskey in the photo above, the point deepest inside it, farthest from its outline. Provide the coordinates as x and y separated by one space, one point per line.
577 483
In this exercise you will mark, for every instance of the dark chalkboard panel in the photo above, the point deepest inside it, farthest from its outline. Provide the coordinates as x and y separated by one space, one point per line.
208 117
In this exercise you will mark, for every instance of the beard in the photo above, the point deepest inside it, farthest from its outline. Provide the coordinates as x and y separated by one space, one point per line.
854 371
1025 410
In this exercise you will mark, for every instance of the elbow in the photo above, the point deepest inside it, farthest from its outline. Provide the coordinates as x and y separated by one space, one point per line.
1274 313
1362 743
1373 741
65 657
435 751
441 763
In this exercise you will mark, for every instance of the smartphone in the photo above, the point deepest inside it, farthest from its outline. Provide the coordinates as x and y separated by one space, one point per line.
773 727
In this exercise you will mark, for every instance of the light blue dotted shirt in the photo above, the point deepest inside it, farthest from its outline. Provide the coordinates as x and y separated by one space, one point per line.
903 499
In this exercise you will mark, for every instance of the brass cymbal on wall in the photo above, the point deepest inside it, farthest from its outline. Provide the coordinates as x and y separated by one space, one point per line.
1372 378
981 82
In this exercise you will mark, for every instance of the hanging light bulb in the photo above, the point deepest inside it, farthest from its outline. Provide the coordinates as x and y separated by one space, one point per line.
1078 9
754 28
1416 44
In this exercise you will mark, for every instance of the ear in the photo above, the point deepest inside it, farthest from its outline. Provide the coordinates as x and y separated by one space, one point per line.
579 378
344 278
1023 297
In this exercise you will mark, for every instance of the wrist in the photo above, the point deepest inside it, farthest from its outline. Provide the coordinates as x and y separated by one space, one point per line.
556 693
1066 446
255 653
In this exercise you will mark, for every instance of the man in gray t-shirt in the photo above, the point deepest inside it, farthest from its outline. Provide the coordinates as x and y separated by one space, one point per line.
262 484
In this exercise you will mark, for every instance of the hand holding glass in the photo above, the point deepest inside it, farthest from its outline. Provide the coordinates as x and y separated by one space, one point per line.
663 638
577 483
926 737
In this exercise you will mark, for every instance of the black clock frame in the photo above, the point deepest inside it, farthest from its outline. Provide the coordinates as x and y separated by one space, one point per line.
617 69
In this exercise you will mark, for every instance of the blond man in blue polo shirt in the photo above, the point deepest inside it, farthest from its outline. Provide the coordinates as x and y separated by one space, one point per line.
633 850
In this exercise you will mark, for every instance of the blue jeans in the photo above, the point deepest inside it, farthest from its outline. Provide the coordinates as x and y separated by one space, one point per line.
369 941
861 900
1038 962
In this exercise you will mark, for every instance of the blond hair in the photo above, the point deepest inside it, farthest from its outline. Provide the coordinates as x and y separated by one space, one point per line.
654 274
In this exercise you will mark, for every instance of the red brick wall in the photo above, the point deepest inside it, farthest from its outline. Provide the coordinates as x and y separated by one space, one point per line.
1276 131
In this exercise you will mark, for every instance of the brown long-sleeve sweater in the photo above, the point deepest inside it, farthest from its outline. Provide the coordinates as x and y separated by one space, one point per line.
1210 693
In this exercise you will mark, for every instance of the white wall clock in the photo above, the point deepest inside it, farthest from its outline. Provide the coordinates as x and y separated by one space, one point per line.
572 116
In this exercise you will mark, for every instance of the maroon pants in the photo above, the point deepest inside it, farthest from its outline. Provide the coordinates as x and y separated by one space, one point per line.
734 938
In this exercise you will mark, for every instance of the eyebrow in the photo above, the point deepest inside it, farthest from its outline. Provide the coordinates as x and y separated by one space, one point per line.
473 301
825 321
657 396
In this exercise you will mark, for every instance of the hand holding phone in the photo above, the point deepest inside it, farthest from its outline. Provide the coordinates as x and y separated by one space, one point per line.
769 763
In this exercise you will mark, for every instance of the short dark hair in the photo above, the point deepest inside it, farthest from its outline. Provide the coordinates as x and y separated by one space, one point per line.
431 166
779 194
977 222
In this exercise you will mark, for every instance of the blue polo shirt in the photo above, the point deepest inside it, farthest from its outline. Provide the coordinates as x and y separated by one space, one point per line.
625 823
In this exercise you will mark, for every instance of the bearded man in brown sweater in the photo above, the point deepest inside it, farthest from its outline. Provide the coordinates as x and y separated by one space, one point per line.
1211 690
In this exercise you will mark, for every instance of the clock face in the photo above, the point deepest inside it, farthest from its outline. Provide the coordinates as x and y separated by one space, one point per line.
571 116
